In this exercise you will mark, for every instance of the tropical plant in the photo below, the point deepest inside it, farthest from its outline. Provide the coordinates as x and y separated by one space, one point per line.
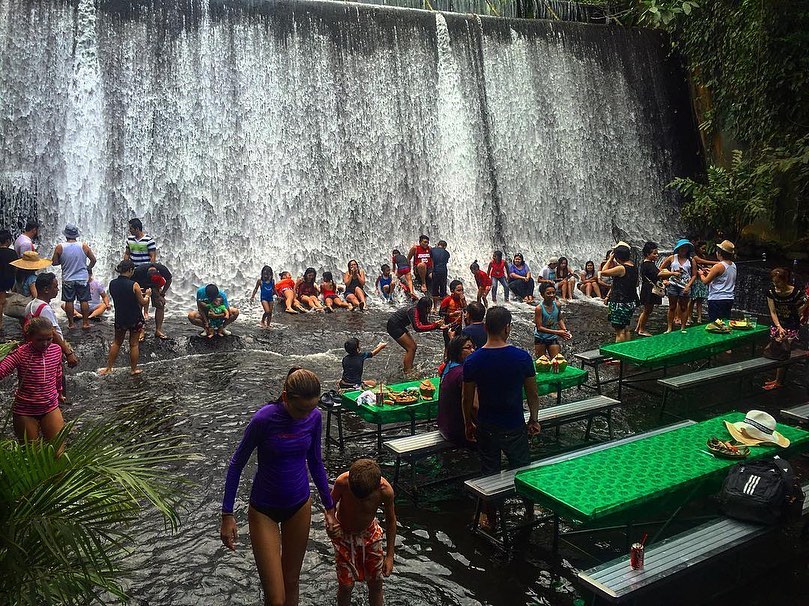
653 13
65 520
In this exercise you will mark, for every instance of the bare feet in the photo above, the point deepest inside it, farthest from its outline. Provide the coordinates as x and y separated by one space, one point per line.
71 325
291 311
221 332
137 371
161 335
104 371
770 385
85 325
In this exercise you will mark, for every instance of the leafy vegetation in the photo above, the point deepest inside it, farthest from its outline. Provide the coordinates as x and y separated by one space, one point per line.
64 521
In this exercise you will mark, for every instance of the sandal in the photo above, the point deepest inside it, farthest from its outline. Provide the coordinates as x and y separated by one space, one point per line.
770 385
291 311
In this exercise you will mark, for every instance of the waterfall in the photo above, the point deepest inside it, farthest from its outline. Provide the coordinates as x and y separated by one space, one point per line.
307 133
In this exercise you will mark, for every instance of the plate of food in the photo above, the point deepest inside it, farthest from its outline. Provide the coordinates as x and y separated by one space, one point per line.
727 450
740 325
718 326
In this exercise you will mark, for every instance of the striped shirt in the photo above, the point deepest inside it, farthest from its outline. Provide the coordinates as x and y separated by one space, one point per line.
139 249
39 378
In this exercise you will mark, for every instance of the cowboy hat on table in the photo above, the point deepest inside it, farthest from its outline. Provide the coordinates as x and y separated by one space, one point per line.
757 429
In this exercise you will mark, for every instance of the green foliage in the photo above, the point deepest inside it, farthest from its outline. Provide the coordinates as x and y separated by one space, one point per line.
731 199
653 13
64 521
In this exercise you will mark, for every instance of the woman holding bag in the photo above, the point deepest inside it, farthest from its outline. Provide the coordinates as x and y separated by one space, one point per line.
650 293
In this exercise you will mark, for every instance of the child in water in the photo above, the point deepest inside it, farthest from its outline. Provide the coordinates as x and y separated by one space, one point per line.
328 289
285 289
357 538
483 281
267 286
217 314
353 363
403 273
384 283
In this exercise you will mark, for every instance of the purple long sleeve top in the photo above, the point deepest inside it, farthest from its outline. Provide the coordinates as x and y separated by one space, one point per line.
286 446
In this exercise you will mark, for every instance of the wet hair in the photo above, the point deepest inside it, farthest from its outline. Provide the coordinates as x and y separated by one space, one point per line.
780 272
309 271
396 251
498 255
124 266
266 272
423 237
211 291
136 224
31 224
454 284
520 255
301 384
364 477
385 266
622 253
38 326
328 277
648 248
423 307
476 311
559 265
284 273
350 261
352 346
700 243
455 347
442 243
589 263
44 281
5 236
497 318
474 266
547 288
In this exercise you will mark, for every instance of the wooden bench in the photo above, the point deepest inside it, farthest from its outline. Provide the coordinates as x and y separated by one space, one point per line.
413 448
616 582
737 369
500 486
592 358
797 413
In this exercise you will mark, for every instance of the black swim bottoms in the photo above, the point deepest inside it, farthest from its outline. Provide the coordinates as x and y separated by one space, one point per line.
279 515
395 329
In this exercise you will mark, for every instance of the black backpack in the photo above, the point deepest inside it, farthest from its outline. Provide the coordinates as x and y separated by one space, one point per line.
764 491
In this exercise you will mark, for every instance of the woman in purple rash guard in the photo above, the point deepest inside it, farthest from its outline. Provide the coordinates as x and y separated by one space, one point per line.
287 436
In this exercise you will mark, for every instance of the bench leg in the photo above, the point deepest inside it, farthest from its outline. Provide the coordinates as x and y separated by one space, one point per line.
663 403
340 428
620 378
501 511
379 438
478 511
598 378
328 427
555 544
414 487
396 469
589 427
609 423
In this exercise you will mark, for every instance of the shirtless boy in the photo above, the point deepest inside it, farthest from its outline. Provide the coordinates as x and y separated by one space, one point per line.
357 538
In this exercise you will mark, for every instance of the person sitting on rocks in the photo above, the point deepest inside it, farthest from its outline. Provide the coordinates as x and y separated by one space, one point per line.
99 299
199 317
157 277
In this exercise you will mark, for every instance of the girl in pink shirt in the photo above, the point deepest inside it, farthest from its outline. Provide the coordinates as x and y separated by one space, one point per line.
39 383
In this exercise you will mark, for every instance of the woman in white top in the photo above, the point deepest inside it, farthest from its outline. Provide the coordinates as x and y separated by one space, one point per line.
678 288
721 281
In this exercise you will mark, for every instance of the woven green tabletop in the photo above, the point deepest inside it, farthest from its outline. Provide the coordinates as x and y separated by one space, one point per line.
571 376
677 347
7 348
423 409
619 479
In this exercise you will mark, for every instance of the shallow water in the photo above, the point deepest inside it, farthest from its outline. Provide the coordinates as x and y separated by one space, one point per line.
209 390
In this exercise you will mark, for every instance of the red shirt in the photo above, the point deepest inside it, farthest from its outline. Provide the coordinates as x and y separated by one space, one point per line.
283 285
423 255
452 309
497 270
482 279
39 378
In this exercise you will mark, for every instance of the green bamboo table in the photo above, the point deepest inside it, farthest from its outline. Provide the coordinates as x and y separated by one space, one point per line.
677 347
548 382
622 481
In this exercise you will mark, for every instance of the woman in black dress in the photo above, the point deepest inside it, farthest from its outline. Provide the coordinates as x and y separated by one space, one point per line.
649 275
416 316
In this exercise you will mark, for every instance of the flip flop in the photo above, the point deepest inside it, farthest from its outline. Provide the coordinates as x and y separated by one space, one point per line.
161 336
771 386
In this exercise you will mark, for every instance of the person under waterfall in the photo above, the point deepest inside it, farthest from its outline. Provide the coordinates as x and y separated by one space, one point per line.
199 317
421 257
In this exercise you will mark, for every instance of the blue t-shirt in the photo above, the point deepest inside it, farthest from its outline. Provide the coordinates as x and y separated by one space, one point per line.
498 374
440 259
520 271
203 298
476 332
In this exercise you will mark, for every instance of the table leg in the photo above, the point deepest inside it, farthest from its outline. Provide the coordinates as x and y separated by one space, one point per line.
396 470
501 511
412 423
555 545
620 377
379 438
598 378
559 393
328 428
340 428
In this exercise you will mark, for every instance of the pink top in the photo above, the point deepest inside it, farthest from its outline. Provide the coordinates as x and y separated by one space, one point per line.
39 378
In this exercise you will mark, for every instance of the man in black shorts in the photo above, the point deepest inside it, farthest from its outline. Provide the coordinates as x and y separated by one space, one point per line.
157 277
440 258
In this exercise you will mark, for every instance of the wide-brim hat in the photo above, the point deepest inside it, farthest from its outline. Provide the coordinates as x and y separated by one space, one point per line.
71 231
757 428
31 261
683 242
623 244
553 260
727 246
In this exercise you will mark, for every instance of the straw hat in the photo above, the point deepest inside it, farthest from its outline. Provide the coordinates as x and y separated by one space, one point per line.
31 261
757 428
727 246
624 244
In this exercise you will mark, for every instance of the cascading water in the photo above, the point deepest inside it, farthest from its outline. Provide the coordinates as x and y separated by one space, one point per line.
308 133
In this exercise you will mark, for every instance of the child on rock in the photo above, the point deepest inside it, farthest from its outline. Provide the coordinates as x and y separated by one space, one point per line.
267 286
328 290
217 314
285 289
483 281
353 363
357 538
384 283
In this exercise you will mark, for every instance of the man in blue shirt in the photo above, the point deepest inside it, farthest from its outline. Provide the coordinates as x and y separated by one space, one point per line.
199 317
499 372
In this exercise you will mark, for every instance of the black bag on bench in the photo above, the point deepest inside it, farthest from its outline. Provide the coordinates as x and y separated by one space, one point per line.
765 491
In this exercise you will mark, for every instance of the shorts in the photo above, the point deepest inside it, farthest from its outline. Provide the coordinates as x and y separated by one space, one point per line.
403 271
672 290
216 322
268 298
137 327
335 296
279 515
395 330
7 285
359 556
547 341
719 309
154 296
620 314
74 290
438 288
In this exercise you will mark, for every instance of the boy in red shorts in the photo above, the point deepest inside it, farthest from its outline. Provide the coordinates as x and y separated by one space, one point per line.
357 539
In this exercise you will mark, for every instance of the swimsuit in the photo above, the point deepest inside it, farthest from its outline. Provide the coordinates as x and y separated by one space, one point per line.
359 555
383 282
267 290
402 318
327 290
279 515
39 379
402 265
353 285
307 290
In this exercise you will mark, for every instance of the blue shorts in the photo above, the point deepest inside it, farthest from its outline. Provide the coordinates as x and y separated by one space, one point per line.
74 290
268 298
